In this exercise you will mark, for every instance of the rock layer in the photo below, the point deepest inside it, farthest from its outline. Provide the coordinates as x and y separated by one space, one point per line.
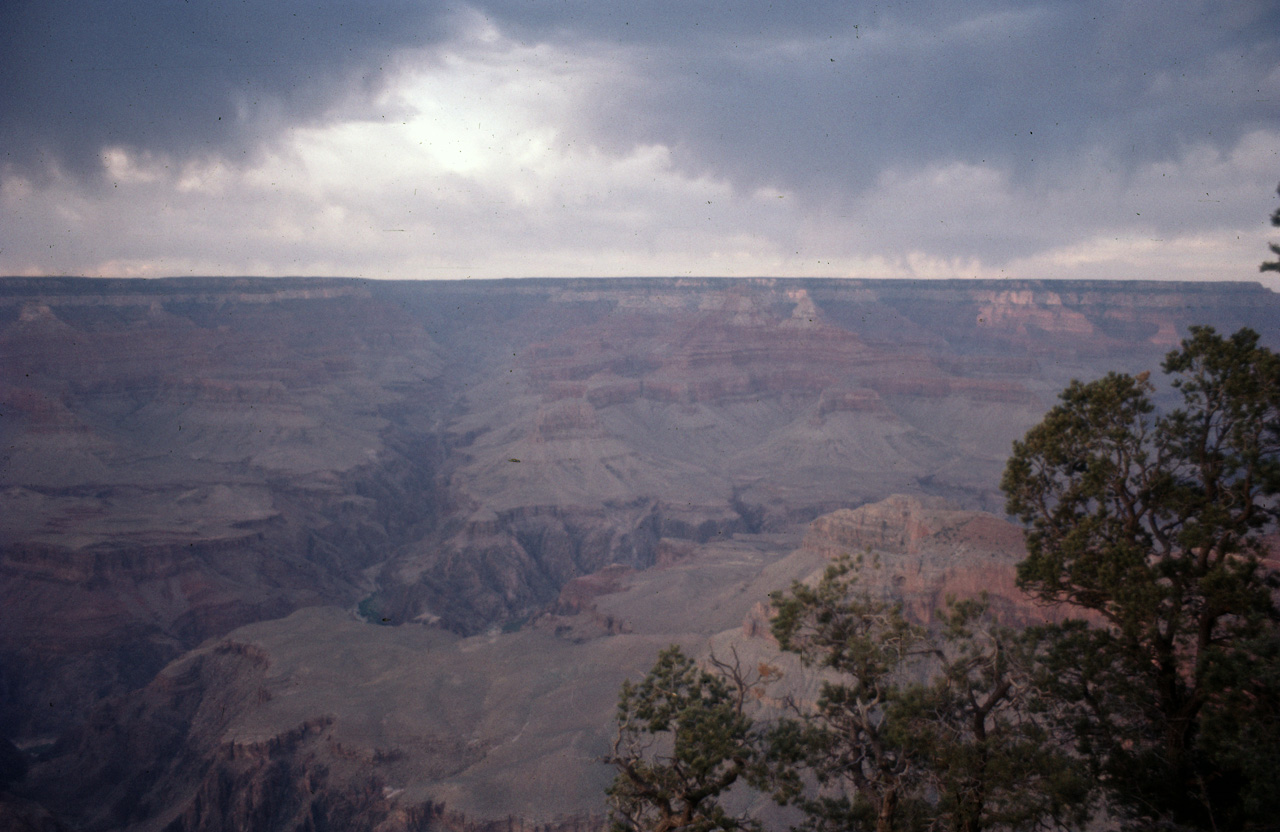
180 458
321 720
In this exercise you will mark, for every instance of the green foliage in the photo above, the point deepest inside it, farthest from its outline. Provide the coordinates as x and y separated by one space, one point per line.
683 740
1273 265
861 756
912 729
915 729
1241 735
1153 524
994 759
1168 684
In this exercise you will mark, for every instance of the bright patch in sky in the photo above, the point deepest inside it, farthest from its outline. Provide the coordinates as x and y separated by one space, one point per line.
493 155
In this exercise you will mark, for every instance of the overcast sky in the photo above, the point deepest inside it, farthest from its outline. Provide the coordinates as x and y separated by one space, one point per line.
392 138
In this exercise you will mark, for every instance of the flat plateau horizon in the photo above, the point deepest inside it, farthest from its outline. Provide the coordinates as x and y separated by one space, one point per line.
382 551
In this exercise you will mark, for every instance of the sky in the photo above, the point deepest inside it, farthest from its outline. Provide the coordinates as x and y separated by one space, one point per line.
507 138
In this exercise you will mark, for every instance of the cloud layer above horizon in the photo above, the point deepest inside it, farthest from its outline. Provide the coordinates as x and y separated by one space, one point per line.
1062 139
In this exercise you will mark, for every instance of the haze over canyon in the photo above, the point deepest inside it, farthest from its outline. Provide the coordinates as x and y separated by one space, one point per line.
339 554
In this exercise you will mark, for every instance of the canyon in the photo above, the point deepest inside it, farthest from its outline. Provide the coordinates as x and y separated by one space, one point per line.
311 554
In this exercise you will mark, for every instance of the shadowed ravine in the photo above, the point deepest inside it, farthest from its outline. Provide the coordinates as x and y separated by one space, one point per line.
285 554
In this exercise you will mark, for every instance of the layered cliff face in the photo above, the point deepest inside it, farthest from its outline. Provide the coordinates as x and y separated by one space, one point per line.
722 406
321 720
181 458
177 464
926 552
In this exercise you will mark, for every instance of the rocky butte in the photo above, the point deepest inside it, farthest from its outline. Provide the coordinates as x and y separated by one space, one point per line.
336 554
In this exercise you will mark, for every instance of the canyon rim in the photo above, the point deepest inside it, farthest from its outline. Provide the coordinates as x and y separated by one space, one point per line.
380 553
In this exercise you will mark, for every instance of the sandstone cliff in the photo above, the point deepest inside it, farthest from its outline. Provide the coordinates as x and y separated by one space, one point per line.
323 721
181 458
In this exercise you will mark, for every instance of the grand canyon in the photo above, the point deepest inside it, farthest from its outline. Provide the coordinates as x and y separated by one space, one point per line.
342 554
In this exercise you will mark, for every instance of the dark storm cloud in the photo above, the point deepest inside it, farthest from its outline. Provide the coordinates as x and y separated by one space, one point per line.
184 77
820 97
865 87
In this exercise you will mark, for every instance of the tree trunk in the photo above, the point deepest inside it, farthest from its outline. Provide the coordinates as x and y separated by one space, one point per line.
888 808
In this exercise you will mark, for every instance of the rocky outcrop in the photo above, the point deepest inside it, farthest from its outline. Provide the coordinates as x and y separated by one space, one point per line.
516 563
172 724
181 462
179 458
195 780
567 420
258 731
897 524
284 783
742 351
927 552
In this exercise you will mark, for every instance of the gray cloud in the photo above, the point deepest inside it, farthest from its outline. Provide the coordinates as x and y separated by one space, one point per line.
1041 91
805 95
991 130
1015 85
185 78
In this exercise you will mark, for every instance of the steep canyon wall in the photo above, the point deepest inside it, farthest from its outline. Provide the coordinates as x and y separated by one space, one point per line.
181 458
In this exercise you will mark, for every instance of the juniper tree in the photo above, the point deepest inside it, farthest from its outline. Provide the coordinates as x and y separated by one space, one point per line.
848 741
1273 265
980 725
1154 525
917 729
683 740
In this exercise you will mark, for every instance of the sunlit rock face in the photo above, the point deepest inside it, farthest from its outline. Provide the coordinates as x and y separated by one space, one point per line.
182 458
927 553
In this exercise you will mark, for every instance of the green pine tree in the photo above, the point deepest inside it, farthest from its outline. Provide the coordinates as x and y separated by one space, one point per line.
1153 524
683 740
916 729
1273 265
